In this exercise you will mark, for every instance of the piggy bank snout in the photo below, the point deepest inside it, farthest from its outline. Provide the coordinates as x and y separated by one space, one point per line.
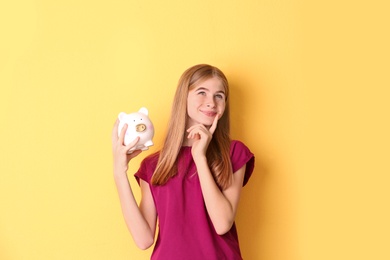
140 128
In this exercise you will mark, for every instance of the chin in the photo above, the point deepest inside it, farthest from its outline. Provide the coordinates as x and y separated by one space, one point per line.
207 123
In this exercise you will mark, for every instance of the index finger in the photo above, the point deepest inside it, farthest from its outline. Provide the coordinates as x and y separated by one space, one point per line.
122 133
214 125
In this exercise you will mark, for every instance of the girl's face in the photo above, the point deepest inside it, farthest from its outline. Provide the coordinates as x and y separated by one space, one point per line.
205 102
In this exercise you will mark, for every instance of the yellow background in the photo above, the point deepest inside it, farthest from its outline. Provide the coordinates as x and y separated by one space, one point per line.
310 97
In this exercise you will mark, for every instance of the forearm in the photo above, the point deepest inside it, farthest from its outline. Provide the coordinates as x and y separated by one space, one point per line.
219 208
139 228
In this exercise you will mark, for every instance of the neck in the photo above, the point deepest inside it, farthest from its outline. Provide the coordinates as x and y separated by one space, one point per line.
187 142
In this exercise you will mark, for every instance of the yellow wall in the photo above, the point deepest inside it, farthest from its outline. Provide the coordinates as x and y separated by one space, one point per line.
310 95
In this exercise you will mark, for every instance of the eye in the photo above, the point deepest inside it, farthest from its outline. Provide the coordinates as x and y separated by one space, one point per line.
220 96
202 93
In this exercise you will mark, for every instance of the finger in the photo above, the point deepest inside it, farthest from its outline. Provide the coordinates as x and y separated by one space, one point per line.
191 128
134 154
191 134
200 126
196 136
121 137
214 125
132 143
197 133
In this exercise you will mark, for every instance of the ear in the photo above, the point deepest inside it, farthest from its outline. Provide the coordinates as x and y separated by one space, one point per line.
121 115
143 110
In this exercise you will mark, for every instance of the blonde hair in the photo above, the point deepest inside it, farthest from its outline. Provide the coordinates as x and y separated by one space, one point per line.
218 152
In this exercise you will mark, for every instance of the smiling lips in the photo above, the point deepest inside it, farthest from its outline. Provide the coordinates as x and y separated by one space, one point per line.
209 113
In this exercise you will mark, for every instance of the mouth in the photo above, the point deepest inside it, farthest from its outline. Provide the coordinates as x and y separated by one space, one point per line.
209 113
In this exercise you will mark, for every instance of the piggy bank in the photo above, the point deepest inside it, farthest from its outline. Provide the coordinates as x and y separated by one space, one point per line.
140 125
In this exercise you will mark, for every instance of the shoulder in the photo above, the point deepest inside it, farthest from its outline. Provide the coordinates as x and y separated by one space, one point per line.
237 145
151 159
238 150
241 155
147 167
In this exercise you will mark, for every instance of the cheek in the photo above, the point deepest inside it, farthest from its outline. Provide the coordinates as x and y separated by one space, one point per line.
221 106
193 103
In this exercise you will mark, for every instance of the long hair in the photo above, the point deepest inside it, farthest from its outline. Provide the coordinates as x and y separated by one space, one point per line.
218 152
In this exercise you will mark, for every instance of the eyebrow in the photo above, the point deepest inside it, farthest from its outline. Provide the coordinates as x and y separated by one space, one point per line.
201 88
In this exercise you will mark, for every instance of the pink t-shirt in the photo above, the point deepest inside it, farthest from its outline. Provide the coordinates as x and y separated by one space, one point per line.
185 229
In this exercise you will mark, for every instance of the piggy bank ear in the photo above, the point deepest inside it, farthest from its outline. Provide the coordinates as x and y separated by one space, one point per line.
121 115
143 110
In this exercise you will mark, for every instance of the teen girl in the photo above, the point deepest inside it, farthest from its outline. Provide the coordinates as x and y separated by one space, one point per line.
193 185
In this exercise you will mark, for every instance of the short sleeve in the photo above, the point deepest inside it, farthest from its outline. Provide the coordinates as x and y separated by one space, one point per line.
146 169
241 155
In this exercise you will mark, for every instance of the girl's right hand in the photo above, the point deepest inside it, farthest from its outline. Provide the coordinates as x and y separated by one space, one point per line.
119 150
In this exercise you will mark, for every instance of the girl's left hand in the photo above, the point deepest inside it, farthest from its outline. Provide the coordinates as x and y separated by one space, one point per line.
202 137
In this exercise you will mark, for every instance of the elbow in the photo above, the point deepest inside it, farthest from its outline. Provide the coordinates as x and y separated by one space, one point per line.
223 228
143 245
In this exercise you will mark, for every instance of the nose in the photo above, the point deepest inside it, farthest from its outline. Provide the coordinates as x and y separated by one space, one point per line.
140 128
211 103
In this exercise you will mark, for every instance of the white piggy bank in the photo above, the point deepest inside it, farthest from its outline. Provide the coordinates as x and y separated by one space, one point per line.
140 125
